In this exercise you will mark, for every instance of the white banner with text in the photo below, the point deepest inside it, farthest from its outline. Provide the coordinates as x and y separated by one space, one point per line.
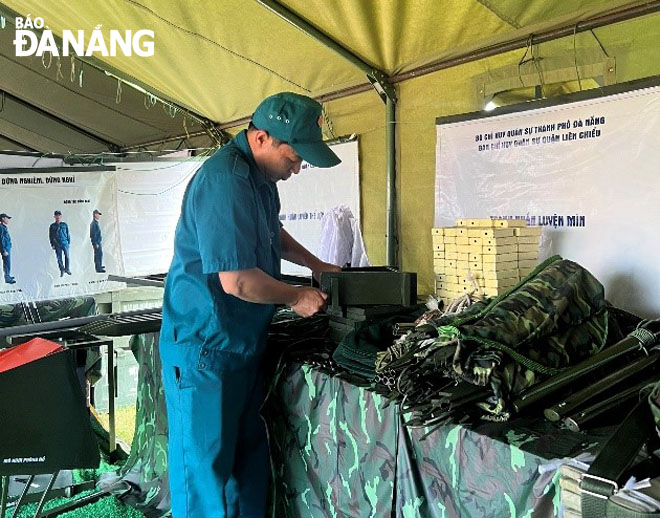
52 244
585 171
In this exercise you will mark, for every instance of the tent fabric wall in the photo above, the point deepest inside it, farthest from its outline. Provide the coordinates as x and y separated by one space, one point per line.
244 52
444 93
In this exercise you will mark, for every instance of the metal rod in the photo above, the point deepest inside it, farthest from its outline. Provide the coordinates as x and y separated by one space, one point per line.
4 491
552 385
136 281
21 499
305 26
42 500
576 422
70 323
111 397
75 504
390 151
622 15
565 407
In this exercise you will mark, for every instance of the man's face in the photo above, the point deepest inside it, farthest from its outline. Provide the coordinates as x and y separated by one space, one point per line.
5 221
97 217
279 162
58 218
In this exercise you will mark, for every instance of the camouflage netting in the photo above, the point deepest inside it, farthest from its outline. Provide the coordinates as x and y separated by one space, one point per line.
556 317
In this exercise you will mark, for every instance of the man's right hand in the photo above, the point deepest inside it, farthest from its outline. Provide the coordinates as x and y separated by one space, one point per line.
310 301
5 254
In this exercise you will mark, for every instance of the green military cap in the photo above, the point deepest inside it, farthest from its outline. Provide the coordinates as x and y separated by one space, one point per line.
296 119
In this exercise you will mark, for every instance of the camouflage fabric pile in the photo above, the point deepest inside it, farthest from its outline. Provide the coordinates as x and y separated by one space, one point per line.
554 318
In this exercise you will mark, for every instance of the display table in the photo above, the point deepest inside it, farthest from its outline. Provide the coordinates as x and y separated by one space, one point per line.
337 452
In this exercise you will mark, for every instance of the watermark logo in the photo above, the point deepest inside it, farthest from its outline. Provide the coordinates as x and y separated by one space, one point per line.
27 42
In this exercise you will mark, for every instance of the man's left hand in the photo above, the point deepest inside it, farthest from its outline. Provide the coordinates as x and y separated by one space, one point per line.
324 267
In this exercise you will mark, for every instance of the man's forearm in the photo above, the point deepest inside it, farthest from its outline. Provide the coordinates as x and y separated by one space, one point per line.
254 285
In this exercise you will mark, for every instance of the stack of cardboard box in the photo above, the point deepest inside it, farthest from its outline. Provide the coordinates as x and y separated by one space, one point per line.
485 257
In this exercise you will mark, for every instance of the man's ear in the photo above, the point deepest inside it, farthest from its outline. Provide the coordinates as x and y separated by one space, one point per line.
261 137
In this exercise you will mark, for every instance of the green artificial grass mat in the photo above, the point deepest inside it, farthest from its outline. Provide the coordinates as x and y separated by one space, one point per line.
106 507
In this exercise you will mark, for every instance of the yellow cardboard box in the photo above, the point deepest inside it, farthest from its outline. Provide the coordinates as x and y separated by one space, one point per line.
501 274
500 241
497 232
500 250
527 231
523 248
500 258
500 283
475 232
509 223
525 256
528 264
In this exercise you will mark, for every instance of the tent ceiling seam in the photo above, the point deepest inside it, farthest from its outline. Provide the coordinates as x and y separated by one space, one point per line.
216 44
487 4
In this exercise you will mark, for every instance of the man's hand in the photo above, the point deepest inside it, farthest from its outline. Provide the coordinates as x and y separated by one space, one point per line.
310 301
324 267
5 254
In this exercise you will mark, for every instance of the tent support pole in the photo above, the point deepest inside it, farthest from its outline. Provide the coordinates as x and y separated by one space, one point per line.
384 89
390 132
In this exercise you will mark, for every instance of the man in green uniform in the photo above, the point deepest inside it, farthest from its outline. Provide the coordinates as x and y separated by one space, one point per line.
220 296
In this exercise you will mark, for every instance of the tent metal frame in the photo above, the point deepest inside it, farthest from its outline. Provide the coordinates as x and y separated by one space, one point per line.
25 104
378 80
210 128
385 90
24 147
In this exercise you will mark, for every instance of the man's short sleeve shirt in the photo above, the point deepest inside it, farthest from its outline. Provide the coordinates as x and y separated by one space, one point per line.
229 221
